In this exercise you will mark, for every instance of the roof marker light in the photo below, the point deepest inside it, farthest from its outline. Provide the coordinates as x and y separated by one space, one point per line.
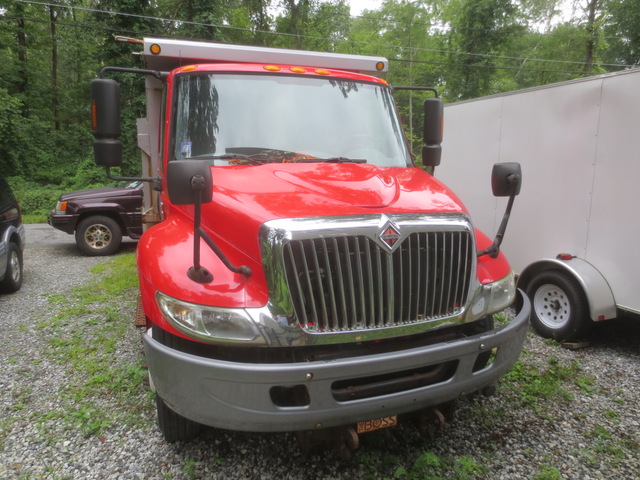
298 70
189 68
380 66
322 71
272 68
155 49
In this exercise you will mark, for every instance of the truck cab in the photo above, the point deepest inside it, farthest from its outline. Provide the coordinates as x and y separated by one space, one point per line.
301 273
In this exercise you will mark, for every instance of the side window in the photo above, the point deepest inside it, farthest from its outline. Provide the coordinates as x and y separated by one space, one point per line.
6 197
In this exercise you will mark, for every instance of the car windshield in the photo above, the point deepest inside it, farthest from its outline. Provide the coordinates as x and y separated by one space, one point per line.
254 119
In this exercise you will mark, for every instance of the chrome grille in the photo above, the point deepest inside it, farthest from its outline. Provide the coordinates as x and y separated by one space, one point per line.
351 282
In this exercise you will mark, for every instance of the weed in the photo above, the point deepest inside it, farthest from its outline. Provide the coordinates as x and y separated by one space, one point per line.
611 415
586 383
547 473
538 383
189 468
433 467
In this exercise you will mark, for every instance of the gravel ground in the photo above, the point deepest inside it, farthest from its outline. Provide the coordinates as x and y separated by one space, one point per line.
587 428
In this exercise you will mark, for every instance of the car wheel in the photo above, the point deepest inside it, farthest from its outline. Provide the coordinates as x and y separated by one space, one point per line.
175 427
560 308
13 275
98 235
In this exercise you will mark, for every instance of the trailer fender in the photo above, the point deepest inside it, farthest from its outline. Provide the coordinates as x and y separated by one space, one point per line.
602 304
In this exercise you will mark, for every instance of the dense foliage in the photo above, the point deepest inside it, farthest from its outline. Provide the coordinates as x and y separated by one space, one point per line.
49 52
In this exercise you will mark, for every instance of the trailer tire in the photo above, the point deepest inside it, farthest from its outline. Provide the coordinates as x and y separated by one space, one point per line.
174 426
560 308
98 235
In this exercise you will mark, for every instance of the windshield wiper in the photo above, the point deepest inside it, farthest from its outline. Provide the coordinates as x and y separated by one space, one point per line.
276 157
332 160
239 158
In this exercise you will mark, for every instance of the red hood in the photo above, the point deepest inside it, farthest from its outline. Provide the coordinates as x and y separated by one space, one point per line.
245 197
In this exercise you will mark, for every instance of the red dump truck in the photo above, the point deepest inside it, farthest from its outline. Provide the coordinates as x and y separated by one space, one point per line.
297 271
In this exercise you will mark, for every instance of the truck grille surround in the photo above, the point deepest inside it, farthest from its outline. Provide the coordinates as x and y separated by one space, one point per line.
391 271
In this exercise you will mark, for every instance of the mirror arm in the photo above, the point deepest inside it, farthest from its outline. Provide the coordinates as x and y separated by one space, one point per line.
494 249
197 272
157 181
162 76
426 89
242 269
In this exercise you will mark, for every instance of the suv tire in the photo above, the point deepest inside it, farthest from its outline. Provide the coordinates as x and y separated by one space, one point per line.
13 276
98 235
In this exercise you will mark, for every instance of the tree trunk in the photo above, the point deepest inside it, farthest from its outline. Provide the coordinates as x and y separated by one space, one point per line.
591 32
55 98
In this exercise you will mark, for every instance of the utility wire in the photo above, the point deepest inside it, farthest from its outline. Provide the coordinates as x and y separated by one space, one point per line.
311 37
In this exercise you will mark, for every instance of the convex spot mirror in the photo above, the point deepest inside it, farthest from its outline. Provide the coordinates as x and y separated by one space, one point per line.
189 182
506 179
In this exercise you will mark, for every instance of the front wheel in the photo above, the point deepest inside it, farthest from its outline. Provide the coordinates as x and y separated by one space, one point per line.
174 426
98 235
560 308
12 280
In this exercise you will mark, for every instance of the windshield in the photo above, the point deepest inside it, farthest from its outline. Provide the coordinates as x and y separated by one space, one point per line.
254 119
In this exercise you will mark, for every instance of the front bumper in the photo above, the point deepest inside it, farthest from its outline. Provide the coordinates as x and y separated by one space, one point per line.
65 223
237 396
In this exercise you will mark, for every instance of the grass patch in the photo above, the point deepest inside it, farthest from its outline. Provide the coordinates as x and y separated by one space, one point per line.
86 335
538 384
431 466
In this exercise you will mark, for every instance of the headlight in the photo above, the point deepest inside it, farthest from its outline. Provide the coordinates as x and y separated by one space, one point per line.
61 208
494 297
209 324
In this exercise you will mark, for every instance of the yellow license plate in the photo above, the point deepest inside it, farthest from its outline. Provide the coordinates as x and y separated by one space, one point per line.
377 424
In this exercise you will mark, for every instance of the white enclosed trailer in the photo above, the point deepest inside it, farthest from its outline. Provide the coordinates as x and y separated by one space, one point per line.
575 235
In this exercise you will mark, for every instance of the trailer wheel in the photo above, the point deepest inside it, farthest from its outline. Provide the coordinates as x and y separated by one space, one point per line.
98 235
560 308
174 426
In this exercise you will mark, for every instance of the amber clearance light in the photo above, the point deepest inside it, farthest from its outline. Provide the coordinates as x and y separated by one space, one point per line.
155 49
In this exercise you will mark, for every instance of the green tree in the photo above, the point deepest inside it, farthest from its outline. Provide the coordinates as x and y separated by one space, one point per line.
312 25
479 31
622 32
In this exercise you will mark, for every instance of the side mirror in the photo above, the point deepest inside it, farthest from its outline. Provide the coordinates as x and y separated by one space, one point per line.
105 122
433 131
189 182
506 179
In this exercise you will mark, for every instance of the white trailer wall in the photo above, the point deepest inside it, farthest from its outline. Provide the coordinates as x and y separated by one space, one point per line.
579 147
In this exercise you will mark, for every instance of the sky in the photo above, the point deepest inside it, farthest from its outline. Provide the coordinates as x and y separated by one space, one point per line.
357 6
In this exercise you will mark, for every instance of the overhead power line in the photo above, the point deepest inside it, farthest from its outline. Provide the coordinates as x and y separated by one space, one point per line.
310 37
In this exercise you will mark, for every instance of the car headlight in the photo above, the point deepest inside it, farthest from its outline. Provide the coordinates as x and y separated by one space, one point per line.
494 297
206 323
61 208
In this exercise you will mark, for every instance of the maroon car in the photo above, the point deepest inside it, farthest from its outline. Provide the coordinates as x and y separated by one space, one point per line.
99 217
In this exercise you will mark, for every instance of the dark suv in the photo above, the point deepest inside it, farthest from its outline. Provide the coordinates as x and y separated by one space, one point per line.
11 240
100 217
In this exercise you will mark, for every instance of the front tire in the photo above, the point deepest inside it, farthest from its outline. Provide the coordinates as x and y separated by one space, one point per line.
560 308
12 280
174 426
98 235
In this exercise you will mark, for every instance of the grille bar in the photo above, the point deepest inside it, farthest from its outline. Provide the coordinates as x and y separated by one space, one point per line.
350 283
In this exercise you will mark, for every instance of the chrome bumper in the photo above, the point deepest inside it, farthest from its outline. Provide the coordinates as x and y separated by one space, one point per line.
236 396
